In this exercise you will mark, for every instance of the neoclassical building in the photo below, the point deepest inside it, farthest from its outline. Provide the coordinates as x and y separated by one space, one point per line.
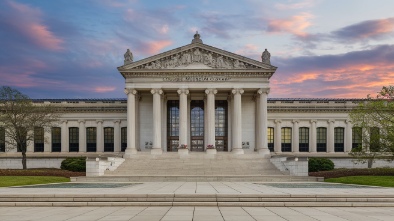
197 95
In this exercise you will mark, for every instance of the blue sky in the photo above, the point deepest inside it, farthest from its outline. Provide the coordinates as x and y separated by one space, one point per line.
322 48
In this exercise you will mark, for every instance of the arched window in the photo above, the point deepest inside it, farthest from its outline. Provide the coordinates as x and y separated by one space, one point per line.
286 139
73 138
270 138
123 138
108 139
38 139
56 139
304 139
91 139
321 139
357 137
339 139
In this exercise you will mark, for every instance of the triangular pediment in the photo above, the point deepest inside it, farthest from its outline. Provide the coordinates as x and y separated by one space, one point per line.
197 56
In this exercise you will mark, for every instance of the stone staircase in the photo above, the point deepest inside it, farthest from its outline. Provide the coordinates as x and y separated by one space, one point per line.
196 167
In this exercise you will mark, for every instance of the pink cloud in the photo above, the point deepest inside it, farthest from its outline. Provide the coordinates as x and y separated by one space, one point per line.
295 25
104 89
28 21
154 47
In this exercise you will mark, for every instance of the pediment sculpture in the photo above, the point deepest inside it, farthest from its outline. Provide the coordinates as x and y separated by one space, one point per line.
195 56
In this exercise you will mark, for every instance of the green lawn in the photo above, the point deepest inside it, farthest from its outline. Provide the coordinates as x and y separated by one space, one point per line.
29 180
385 181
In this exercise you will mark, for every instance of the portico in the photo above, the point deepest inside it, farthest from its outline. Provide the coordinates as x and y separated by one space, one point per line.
195 95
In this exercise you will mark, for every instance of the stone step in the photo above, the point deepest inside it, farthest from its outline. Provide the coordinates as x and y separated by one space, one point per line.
171 199
173 164
198 178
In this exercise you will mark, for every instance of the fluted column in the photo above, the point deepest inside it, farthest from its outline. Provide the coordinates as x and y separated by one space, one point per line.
131 133
100 136
330 137
313 141
64 138
183 115
262 123
210 132
237 124
156 148
47 139
295 137
82 136
348 136
278 137
117 136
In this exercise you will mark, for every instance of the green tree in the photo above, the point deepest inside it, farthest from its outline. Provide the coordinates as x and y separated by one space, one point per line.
19 116
375 118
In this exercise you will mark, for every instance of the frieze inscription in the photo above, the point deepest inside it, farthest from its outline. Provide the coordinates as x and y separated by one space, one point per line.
196 78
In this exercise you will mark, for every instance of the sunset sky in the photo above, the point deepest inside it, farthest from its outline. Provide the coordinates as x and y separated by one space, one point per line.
322 48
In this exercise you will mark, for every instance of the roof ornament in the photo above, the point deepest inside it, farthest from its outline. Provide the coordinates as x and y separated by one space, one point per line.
196 38
128 57
266 57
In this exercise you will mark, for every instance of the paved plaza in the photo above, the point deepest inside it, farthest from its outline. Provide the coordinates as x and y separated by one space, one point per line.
195 213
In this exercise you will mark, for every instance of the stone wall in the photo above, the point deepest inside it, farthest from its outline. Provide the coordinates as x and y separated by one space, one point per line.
16 163
350 163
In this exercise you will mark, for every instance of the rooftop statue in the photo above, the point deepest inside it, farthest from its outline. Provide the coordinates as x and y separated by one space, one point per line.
197 38
265 57
128 57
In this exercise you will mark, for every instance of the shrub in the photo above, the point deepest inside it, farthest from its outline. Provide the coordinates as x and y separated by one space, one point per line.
320 164
75 164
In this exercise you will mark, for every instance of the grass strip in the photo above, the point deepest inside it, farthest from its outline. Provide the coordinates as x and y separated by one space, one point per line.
6 181
384 181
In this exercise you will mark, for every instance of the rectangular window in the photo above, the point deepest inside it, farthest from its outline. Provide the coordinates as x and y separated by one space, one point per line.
108 139
304 139
38 139
270 138
339 139
321 139
2 139
91 139
123 138
73 138
56 139
357 137
286 139
374 139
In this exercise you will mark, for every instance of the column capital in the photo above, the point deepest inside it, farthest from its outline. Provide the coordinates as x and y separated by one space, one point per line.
331 121
348 121
156 90
130 91
183 91
64 121
296 121
263 90
313 121
211 90
99 121
278 121
237 91
81 121
116 121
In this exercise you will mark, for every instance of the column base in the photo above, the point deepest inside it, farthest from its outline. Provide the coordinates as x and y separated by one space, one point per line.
265 153
156 151
238 151
129 152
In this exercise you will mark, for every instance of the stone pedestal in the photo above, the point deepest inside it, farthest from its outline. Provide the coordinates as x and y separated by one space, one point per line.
129 152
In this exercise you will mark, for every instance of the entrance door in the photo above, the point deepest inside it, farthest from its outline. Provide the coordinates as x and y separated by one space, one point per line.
221 112
172 125
197 125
